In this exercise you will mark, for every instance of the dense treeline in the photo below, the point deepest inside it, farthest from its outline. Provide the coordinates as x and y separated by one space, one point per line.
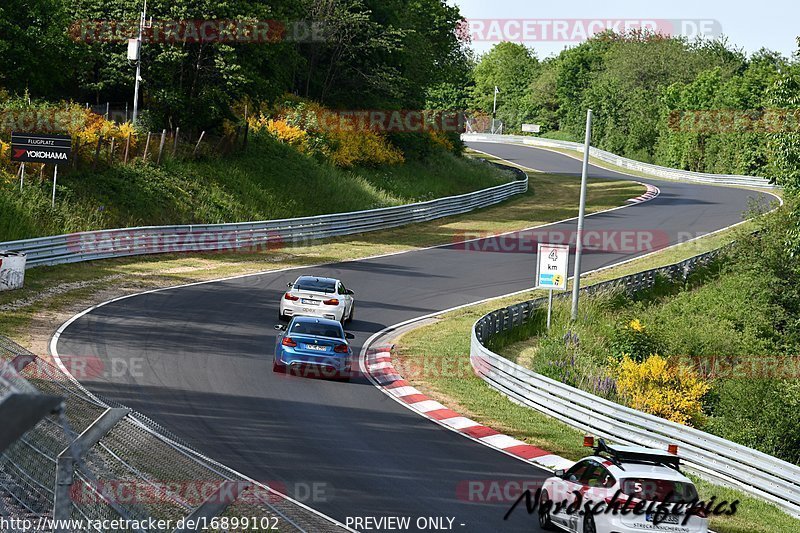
646 92
363 54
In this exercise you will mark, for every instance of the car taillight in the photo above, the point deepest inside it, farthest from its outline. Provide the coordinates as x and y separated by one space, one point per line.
290 296
288 341
332 301
340 348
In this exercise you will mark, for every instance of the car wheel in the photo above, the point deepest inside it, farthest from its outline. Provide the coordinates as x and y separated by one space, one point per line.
277 367
352 312
545 522
588 524
281 316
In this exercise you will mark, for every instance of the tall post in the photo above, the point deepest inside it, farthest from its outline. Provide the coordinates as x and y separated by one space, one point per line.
138 65
21 176
55 179
549 308
494 106
161 146
576 277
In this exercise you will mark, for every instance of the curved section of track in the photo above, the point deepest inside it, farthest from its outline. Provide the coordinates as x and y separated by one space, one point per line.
205 357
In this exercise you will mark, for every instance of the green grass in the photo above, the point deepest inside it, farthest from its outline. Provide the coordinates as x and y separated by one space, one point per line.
269 181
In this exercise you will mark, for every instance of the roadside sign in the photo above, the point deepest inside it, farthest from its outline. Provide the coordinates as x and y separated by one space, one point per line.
40 148
551 267
531 128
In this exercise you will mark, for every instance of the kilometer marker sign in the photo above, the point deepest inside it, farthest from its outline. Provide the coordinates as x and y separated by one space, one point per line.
40 148
552 265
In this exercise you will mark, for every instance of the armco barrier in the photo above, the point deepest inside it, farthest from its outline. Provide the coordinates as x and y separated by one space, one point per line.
623 162
96 461
87 246
709 456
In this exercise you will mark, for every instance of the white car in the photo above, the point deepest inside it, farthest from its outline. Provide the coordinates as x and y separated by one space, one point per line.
620 477
317 296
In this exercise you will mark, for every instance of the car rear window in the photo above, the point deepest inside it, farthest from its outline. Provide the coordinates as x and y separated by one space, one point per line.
315 284
320 330
659 490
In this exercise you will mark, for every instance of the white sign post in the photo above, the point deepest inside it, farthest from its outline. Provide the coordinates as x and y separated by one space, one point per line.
552 268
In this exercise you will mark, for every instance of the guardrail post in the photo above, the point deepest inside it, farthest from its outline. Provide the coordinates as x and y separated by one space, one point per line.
65 469
214 505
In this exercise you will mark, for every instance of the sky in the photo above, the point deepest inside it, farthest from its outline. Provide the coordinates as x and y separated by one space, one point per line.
549 27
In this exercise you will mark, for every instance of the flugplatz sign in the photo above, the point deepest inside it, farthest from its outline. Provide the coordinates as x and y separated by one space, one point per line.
40 148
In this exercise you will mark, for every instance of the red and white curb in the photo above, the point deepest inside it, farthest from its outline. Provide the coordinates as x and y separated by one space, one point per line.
379 365
652 192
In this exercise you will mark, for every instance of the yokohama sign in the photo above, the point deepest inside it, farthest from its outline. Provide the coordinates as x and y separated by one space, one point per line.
39 148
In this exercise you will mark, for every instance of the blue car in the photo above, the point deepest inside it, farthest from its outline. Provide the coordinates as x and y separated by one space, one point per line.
314 346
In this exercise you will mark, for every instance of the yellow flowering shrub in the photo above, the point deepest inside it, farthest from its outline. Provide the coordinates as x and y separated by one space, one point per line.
315 130
441 140
362 148
662 388
631 338
5 153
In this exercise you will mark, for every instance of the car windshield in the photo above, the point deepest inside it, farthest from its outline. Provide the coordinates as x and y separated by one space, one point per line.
320 330
659 490
315 284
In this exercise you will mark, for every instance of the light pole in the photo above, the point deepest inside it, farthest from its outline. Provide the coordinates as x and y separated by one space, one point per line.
494 106
576 276
138 63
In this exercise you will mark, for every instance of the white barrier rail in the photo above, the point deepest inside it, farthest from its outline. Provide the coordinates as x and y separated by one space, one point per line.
623 162
103 244
709 456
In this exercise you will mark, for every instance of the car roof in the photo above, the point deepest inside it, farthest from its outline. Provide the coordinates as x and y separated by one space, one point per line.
316 320
319 278
643 470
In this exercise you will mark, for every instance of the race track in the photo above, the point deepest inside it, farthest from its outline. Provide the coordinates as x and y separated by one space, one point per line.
207 373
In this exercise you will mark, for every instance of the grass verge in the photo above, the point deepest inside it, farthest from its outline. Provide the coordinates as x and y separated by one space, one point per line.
268 181
447 341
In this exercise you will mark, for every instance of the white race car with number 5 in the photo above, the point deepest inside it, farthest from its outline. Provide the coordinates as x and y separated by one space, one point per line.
621 489
319 297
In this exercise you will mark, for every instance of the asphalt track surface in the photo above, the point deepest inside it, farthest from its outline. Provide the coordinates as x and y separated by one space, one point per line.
206 353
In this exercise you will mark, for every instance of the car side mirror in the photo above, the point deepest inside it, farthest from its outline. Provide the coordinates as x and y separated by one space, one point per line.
349 336
560 473
350 292
290 284
280 327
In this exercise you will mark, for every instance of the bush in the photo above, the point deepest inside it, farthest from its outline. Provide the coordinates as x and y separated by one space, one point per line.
761 413
631 338
315 130
661 388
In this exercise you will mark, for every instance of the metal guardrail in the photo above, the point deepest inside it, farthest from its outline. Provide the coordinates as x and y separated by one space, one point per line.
87 246
711 457
630 164
96 461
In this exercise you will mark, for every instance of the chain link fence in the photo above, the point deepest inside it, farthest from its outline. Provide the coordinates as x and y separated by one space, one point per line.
112 463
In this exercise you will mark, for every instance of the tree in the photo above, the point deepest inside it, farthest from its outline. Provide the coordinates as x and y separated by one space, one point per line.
511 67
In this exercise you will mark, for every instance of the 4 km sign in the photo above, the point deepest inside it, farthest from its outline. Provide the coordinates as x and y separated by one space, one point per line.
551 268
